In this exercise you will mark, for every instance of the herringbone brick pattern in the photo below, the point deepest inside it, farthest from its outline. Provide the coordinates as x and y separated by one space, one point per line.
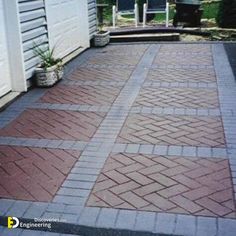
124 49
33 174
157 183
183 60
83 95
178 98
173 130
52 124
185 49
181 75
116 59
100 74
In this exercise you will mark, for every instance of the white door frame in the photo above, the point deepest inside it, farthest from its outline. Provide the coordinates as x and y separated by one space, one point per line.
15 47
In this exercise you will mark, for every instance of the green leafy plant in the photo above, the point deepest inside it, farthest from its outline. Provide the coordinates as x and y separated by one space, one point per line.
46 56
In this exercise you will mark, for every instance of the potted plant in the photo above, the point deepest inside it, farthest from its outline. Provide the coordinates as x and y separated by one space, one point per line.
101 38
50 70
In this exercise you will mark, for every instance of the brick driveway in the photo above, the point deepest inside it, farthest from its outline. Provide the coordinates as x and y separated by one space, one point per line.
132 127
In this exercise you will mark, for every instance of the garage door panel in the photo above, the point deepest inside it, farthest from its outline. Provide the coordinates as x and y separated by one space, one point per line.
67 25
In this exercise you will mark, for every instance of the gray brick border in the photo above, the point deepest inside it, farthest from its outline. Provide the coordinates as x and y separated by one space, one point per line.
227 96
175 111
181 85
170 150
43 143
100 220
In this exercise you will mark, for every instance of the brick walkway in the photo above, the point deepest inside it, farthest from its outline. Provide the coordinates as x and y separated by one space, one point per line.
135 133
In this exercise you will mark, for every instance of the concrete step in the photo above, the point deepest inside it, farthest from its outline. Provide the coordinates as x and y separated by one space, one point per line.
145 37
156 30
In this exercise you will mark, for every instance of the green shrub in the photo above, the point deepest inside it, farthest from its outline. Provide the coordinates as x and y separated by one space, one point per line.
210 9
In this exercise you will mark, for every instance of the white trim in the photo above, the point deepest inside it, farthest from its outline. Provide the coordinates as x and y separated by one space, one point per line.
116 13
114 16
15 49
145 12
167 14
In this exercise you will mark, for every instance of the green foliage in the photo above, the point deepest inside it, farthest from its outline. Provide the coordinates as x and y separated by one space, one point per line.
226 17
210 9
46 56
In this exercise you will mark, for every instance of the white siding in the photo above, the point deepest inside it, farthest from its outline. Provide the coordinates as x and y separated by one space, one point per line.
92 17
33 29
5 77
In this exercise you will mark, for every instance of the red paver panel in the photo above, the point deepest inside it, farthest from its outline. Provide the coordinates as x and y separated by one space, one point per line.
100 74
33 174
125 49
176 59
180 75
82 95
173 130
114 60
177 98
185 48
194 186
52 124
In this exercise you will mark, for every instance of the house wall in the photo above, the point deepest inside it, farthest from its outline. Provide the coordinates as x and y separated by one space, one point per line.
34 30
36 21
92 17
29 22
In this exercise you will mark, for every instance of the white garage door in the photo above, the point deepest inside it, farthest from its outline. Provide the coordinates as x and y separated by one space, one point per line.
5 79
68 26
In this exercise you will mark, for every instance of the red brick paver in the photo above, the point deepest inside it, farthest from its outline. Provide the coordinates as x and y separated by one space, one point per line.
164 59
100 74
52 124
186 49
116 59
33 174
157 183
171 75
173 130
82 95
178 98
131 49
